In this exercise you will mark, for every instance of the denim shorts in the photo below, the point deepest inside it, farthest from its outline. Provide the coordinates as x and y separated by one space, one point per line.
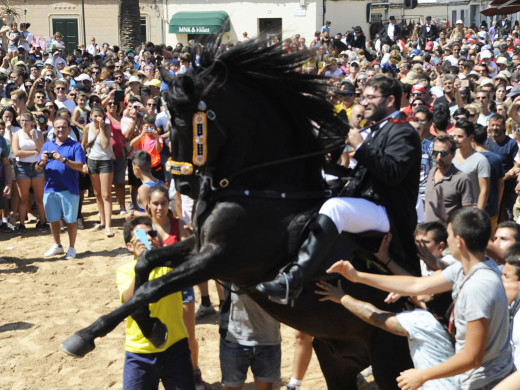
119 171
188 295
27 171
173 367
235 360
95 167
61 203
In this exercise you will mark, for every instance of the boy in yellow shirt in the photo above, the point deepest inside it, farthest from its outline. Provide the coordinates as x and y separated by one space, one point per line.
146 365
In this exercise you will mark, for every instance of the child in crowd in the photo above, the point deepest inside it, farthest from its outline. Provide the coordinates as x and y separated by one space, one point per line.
150 141
141 166
146 365
80 114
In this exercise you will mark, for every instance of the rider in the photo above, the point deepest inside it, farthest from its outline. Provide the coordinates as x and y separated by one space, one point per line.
390 158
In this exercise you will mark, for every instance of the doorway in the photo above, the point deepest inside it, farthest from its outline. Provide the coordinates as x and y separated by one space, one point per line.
69 29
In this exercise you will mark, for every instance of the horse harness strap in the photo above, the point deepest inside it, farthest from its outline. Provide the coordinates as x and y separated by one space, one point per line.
224 182
268 194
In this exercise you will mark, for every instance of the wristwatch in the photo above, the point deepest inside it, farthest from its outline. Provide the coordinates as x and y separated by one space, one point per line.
65 161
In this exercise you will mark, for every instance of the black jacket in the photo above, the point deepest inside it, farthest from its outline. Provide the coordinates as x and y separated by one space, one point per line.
392 157
425 35
503 27
359 43
384 32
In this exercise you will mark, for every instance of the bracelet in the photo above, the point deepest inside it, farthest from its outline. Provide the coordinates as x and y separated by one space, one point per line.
388 262
65 161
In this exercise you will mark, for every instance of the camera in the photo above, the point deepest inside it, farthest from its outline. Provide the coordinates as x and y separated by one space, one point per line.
41 119
48 80
50 156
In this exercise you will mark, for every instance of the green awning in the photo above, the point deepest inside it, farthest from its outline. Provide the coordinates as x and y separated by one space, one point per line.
202 22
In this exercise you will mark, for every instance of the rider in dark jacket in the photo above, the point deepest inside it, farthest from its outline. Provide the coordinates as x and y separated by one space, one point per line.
356 38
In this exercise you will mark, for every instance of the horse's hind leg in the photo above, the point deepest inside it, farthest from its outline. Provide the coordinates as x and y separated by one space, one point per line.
340 372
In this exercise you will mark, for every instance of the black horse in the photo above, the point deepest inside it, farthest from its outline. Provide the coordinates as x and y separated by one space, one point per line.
247 128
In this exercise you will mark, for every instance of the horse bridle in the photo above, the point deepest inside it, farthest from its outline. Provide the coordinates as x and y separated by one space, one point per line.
200 150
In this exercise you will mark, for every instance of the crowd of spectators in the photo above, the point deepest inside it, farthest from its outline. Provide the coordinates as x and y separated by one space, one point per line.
461 92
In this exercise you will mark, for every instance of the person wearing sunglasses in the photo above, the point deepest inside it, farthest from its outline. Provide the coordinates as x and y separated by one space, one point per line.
62 99
146 365
150 141
347 96
447 188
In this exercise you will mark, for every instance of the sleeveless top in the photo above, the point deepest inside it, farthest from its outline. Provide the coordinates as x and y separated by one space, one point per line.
83 118
149 184
97 152
174 235
117 139
27 144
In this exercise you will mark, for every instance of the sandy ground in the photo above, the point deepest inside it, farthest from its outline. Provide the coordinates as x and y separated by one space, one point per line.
43 301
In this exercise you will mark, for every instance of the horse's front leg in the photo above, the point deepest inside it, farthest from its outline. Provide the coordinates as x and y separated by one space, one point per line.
199 268
171 256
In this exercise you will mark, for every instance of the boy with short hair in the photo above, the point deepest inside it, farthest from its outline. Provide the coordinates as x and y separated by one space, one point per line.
142 167
483 351
146 365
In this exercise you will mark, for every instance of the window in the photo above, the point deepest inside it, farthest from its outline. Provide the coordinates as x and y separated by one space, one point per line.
142 29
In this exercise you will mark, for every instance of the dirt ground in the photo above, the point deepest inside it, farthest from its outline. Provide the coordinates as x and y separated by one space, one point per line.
43 301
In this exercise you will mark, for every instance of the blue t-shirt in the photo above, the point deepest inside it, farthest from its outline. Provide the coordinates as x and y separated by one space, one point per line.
58 176
507 150
496 173
4 152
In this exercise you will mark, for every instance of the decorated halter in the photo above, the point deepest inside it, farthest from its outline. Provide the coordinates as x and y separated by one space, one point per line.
200 142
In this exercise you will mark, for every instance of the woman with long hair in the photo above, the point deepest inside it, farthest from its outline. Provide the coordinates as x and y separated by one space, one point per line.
8 115
118 146
171 230
26 146
97 141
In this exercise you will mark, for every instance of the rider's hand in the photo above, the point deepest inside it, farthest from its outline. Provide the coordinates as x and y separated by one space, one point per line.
383 255
354 138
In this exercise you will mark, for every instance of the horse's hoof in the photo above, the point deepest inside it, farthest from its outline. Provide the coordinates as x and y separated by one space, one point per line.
77 346
159 335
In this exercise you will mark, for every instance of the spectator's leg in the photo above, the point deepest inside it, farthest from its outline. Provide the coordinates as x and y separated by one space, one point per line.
55 230
37 185
96 185
302 358
24 186
106 194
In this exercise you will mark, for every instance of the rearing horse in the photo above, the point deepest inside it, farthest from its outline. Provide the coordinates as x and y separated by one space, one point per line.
245 136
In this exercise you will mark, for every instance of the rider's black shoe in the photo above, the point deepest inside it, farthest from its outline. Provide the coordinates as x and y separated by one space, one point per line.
288 285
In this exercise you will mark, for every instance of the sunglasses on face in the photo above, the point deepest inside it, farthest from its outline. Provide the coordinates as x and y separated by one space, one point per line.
60 88
151 104
435 153
112 103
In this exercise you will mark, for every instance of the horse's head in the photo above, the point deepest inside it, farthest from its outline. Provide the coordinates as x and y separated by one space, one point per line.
247 107
194 137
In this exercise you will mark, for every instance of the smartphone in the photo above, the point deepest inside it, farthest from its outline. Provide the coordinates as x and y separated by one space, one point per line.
141 235
109 83
464 84
119 96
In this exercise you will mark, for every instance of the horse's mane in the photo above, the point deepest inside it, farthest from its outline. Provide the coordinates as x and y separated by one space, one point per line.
271 71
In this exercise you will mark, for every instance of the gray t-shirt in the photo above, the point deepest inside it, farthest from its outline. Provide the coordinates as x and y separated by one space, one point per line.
250 325
481 294
429 345
476 166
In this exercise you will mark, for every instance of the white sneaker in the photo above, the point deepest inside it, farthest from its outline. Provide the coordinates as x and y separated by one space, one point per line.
71 254
54 250
123 211
97 227
203 311
80 223
109 232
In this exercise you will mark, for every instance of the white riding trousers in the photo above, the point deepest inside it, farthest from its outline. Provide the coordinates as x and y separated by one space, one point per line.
356 215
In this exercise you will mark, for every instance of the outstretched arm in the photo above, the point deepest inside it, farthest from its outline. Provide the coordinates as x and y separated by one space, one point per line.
403 285
367 312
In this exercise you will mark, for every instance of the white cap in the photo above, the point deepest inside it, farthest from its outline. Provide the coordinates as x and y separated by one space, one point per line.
459 22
